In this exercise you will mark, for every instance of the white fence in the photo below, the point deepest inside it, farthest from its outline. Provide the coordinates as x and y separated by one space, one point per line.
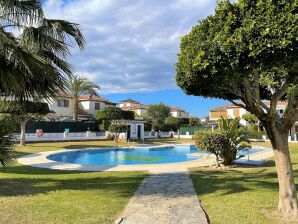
88 135
158 134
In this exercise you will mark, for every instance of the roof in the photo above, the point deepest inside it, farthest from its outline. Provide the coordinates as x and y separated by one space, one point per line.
83 112
131 107
130 101
91 97
176 109
223 108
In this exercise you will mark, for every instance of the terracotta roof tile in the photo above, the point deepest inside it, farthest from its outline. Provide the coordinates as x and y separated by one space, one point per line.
130 101
83 112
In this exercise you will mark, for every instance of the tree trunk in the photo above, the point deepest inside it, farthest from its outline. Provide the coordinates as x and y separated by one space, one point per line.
23 132
287 188
75 109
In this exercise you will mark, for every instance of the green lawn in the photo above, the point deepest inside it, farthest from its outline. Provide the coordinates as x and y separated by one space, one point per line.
32 195
241 195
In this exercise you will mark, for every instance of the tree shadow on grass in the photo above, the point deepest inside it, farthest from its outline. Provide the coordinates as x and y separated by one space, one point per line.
233 181
30 184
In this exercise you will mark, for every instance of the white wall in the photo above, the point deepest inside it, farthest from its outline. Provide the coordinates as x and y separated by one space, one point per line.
89 106
61 111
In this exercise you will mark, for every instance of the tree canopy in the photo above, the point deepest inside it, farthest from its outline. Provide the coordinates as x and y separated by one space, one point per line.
24 107
77 86
34 50
108 114
247 51
157 114
23 111
114 113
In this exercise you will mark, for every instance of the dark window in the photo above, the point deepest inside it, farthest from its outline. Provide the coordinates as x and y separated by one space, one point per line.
97 106
63 103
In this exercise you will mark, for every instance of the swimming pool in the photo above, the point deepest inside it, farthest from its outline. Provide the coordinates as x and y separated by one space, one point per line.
127 156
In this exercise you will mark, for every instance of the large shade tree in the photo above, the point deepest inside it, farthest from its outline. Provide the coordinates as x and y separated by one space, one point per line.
77 86
247 52
34 50
157 114
112 113
24 111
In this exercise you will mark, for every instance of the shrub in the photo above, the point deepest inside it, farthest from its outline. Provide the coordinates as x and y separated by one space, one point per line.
225 142
211 141
237 138
7 152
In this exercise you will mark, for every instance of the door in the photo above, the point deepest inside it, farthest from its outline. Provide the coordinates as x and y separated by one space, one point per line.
128 132
139 132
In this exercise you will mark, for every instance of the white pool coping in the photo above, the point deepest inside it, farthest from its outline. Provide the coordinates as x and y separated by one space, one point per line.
40 160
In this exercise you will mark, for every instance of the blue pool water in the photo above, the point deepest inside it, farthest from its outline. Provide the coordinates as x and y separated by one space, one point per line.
245 152
126 156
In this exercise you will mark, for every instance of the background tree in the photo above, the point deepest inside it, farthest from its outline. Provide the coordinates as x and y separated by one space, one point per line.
117 127
194 121
173 123
158 113
248 51
22 112
33 56
108 114
78 86
252 120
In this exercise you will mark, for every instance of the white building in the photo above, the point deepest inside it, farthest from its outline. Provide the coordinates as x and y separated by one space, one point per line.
141 109
232 111
179 112
88 105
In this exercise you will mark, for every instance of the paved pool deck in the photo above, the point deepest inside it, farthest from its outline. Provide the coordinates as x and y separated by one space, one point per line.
164 198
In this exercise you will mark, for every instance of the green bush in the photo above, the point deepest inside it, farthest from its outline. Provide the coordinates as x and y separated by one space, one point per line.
225 142
7 152
211 141
237 139
256 134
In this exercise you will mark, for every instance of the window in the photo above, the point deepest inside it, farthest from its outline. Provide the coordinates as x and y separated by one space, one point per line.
281 111
97 106
63 103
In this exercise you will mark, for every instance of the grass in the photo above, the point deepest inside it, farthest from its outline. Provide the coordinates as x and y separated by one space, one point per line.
33 195
229 196
241 195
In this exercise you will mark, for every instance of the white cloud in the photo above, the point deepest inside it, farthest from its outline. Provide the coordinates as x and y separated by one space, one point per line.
131 44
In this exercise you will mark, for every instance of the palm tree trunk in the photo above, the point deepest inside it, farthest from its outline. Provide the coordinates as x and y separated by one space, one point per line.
23 132
75 108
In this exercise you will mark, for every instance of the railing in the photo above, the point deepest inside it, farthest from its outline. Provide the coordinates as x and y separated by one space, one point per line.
62 136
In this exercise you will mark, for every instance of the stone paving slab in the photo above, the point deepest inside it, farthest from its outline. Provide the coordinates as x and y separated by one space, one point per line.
164 198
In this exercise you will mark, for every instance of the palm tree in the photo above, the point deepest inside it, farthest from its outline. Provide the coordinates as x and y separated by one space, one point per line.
78 86
237 139
33 50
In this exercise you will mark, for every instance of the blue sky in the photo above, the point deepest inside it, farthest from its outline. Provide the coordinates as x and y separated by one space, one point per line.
132 46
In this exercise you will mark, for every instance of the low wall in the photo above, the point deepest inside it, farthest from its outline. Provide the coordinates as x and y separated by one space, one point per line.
46 137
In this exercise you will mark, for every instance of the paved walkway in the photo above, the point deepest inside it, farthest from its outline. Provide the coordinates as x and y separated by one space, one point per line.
165 198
